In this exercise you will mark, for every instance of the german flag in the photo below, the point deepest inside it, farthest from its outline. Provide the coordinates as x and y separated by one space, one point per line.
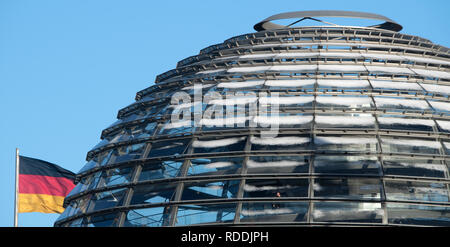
43 186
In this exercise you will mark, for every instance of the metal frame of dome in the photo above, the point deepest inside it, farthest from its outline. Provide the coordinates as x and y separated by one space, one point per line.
393 182
267 24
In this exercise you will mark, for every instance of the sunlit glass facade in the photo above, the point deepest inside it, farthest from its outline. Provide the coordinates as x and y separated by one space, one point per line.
363 137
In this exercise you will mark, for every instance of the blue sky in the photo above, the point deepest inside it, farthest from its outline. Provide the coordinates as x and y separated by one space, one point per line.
67 67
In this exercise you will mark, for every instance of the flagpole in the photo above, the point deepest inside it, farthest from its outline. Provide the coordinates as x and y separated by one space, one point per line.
16 199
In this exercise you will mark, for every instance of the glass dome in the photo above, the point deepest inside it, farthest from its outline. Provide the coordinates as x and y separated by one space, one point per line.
289 126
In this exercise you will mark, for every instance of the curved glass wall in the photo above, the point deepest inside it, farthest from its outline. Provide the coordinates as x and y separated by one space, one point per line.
362 121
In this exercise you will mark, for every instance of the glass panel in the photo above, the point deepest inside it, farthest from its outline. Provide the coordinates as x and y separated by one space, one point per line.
276 188
390 85
219 145
402 123
444 126
347 164
75 207
280 143
168 148
119 175
106 199
204 190
284 120
399 103
215 166
181 126
87 182
411 167
345 121
206 213
126 153
158 216
339 84
361 212
104 220
351 188
274 212
160 170
345 144
418 214
403 145
277 164
343 102
440 107
153 193
416 191
99 160
76 223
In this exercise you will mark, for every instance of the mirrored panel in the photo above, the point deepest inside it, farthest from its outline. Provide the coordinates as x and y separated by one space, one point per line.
215 166
106 199
278 188
102 220
127 153
153 193
280 211
168 148
156 216
280 143
332 164
423 215
351 188
115 176
354 212
414 167
160 169
416 191
205 213
208 190
277 164
218 145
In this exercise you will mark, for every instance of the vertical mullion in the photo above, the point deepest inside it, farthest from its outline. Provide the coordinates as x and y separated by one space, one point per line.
183 173
242 182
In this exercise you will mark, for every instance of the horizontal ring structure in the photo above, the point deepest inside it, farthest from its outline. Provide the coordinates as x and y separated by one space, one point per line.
267 24
362 120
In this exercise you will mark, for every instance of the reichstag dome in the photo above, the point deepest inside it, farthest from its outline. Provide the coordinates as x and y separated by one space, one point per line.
290 125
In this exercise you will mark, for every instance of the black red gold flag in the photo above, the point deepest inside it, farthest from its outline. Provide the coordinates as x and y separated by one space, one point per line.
43 186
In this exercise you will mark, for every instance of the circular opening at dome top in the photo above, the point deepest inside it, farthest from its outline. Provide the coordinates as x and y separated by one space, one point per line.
327 18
